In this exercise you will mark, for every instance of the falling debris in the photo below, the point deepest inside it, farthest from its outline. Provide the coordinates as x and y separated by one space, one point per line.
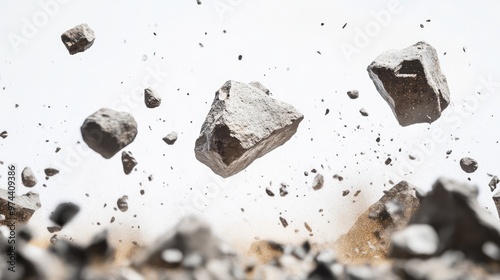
223 144
411 82
309 229
151 98
78 39
269 192
283 222
343 26
346 192
283 189
240 57
54 239
108 131
28 178
53 229
388 161
4 134
122 203
493 183
353 94
128 162
18 207
414 241
50 171
496 200
318 182
64 213
170 138
363 112
468 164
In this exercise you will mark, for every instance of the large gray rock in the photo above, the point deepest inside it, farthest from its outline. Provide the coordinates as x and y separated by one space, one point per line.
108 131
411 82
23 206
243 124
78 38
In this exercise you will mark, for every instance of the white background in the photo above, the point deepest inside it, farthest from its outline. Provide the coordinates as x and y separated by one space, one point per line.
279 42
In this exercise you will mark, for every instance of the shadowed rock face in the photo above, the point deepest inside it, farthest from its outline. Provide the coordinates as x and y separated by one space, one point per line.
23 206
411 82
243 124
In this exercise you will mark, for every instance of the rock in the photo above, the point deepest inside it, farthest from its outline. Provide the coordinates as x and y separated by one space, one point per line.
198 2
261 87
369 238
318 182
269 192
108 131
78 38
122 203
353 94
346 192
151 98
461 223
283 222
411 82
128 162
53 229
51 171
4 134
266 251
64 213
363 112
242 125
170 138
493 183
28 177
468 164
418 241
23 206
283 189
496 200
53 239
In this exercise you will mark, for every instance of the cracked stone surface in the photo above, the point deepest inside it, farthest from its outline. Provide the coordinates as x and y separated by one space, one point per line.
23 206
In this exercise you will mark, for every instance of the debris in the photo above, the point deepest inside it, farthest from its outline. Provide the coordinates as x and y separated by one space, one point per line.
388 161
151 98
448 152
170 138
269 192
122 203
493 183
411 82
283 190
309 229
419 240
54 239
346 192
64 213
363 112
53 229
353 94
283 222
23 206
50 171
4 134
257 84
240 57
78 38
496 200
28 177
108 131
128 162
243 124
468 164
318 182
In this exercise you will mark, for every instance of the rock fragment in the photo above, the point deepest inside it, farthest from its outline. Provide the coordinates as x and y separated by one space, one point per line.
258 85
53 229
283 222
78 38
28 177
108 131
415 241
23 206
283 189
243 124
151 98
363 112
353 94
496 200
4 134
170 138
50 171
493 183
122 203
128 162
64 213
468 164
411 82
318 182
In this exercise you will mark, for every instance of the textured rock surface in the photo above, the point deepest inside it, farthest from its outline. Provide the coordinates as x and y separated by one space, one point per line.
243 124
468 164
50 171
496 200
353 94
78 38
28 177
24 206
369 238
108 131
151 98
411 82
170 138
461 223
128 162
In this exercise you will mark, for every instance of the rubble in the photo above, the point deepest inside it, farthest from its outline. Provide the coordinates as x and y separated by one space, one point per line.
128 162
4 134
23 206
78 39
64 213
496 200
108 131
151 98
170 138
468 164
122 203
363 112
411 82
53 229
283 189
50 171
493 183
353 94
28 177
318 182
418 240
243 124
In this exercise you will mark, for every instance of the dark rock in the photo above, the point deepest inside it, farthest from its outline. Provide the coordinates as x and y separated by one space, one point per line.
51 171
318 182
23 206
53 229
78 38
4 134
28 177
353 94
99 247
363 112
170 138
493 183
122 203
346 192
64 213
411 82
468 164
128 162
243 124
283 189
151 98
108 131
283 222
269 192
